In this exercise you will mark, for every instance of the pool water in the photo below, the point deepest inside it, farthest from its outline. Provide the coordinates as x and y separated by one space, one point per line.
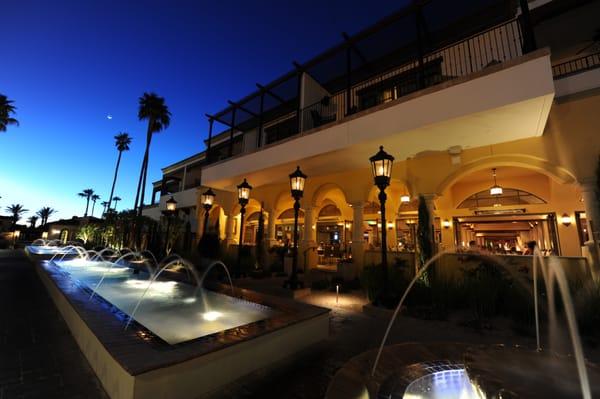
443 384
174 311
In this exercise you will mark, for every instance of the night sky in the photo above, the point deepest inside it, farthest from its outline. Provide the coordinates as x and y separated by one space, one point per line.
70 64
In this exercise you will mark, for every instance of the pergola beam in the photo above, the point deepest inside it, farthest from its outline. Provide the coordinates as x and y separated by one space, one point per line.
352 45
269 92
240 107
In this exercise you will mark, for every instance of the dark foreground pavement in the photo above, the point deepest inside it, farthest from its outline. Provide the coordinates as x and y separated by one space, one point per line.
38 355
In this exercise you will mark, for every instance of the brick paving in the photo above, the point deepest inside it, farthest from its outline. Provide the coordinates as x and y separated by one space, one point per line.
38 356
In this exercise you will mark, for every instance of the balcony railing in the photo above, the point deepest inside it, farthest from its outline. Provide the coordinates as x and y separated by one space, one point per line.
377 65
575 66
493 46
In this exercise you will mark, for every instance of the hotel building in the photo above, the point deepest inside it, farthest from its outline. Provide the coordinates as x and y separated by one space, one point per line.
469 97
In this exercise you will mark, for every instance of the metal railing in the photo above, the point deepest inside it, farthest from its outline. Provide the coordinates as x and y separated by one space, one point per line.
576 66
475 53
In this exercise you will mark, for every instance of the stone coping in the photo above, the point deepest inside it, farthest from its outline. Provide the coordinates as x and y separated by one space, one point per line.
138 351
399 362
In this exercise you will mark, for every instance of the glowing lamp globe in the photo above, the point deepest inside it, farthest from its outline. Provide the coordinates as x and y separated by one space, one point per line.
297 180
381 166
171 204
208 198
244 192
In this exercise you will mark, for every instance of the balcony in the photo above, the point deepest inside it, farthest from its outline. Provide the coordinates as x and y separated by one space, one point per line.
476 91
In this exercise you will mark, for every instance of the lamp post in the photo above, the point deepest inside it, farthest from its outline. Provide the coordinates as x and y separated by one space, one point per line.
208 198
169 212
297 180
381 166
243 198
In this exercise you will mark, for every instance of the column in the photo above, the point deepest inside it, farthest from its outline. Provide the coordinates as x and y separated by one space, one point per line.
229 239
308 243
592 209
592 214
271 237
358 242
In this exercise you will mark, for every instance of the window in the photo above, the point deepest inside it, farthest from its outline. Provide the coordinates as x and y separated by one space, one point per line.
510 196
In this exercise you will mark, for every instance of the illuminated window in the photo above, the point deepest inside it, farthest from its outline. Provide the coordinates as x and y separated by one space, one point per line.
509 196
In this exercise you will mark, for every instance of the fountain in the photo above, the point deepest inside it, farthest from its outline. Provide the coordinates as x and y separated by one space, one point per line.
489 371
182 333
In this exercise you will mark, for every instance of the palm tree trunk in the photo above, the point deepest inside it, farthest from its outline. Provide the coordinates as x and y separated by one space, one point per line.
144 163
93 206
145 173
87 205
112 190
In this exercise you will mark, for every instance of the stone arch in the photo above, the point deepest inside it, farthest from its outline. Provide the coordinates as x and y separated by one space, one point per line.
252 206
542 166
324 191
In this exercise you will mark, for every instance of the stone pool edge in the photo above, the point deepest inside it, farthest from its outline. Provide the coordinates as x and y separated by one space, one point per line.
192 377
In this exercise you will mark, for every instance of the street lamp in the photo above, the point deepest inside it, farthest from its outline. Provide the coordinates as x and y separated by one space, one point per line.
297 180
169 212
208 198
243 197
381 166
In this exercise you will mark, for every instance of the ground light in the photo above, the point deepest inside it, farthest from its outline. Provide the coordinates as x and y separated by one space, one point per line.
297 181
211 316
381 166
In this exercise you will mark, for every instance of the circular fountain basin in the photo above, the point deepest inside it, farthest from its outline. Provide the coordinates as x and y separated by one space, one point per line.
453 370
516 372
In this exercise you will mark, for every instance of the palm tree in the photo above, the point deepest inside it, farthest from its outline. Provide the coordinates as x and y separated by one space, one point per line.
6 109
95 198
116 199
87 194
44 214
153 109
16 211
122 141
32 221
104 205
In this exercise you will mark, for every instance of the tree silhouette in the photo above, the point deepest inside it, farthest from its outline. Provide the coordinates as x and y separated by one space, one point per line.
87 194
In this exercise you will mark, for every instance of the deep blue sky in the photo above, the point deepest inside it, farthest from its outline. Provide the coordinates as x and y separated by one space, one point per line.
69 64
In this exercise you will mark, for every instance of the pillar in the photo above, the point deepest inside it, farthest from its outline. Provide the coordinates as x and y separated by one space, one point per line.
592 213
358 242
229 239
271 237
308 244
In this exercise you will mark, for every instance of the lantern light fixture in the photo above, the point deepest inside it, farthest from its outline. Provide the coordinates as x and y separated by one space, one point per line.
565 219
171 204
495 190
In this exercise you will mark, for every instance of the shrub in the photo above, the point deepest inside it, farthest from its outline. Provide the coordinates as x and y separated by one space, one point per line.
209 246
485 286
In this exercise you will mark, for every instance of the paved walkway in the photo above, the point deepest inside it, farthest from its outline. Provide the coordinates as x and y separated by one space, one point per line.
40 359
38 356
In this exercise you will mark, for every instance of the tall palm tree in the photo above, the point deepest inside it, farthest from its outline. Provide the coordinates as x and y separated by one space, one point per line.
94 198
116 199
32 221
16 210
153 109
44 214
122 141
6 109
104 205
87 194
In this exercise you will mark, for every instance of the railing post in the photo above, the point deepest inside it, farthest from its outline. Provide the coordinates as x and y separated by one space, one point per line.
260 120
299 107
529 43
420 70
231 134
348 80
210 129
